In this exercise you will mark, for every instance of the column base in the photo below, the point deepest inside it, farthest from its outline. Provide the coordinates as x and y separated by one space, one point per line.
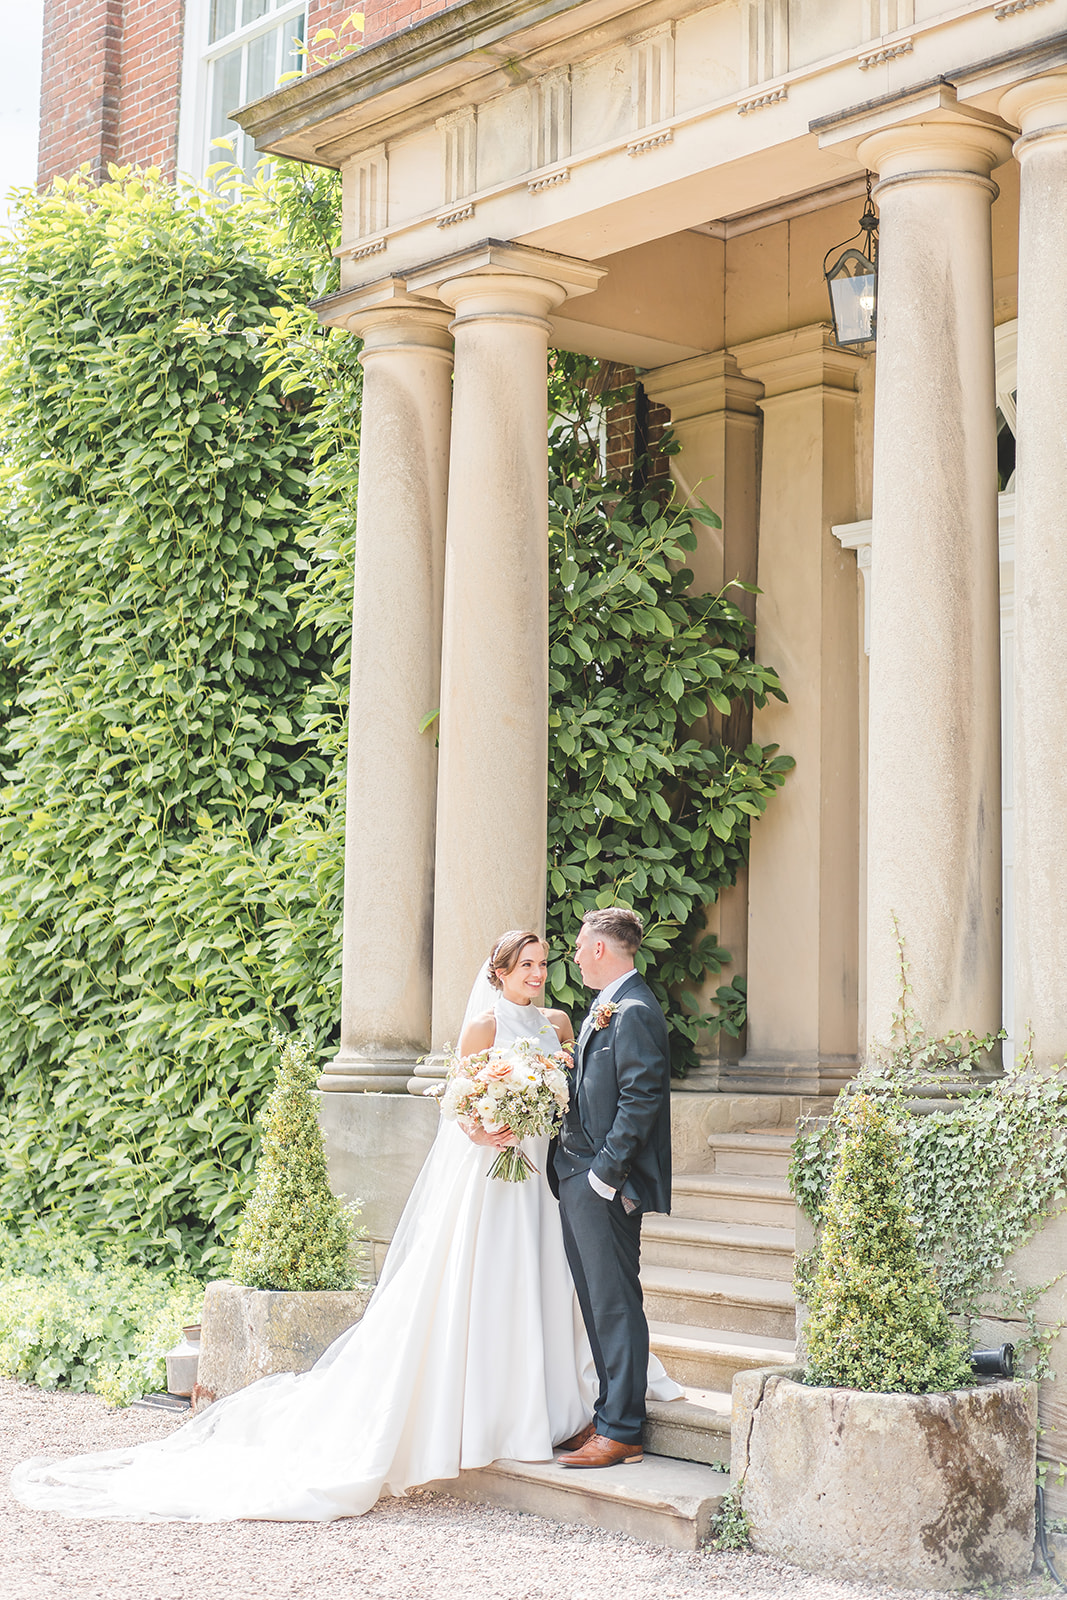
817 1076
428 1071
356 1074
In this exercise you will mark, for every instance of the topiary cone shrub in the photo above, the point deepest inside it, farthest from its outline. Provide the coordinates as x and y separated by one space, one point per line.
294 1233
877 1319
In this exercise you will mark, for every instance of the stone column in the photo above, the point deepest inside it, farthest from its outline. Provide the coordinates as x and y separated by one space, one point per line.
1039 107
804 861
396 654
934 841
492 781
716 419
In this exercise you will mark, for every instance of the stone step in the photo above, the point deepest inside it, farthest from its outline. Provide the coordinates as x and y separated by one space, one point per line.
719 1300
709 1358
731 1247
694 1428
759 1155
658 1500
752 1200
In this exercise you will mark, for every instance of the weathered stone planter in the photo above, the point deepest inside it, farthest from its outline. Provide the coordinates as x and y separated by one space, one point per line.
923 1491
251 1333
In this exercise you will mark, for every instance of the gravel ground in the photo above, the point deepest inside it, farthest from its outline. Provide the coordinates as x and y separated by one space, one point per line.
424 1547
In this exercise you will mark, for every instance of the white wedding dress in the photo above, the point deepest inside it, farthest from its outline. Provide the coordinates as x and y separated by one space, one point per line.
472 1349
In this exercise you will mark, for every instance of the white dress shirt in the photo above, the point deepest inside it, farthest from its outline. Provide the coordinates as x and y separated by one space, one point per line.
603 999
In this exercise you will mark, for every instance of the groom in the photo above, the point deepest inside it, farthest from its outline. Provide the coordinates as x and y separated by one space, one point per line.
612 1163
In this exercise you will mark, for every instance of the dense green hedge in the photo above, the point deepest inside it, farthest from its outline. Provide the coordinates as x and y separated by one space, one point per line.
164 900
180 471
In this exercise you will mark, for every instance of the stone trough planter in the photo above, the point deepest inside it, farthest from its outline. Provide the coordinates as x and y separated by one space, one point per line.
928 1491
249 1334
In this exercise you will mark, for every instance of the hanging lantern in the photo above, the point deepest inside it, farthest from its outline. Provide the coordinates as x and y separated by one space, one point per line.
853 281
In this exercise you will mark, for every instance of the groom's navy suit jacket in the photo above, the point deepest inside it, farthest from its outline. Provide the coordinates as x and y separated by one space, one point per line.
618 1123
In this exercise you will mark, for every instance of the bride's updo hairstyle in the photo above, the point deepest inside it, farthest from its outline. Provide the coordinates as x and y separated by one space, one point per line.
507 950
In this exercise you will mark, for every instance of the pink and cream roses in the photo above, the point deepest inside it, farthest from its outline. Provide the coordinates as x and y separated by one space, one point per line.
518 1087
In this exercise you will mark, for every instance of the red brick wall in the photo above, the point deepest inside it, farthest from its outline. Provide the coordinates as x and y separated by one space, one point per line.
111 78
79 86
110 84
152 40
384 17
622 430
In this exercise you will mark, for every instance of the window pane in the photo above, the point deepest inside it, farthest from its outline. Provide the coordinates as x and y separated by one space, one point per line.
223 18
262 65
292 60
225 97
254 9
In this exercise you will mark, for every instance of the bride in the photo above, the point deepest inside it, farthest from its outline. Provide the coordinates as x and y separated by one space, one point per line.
471 1349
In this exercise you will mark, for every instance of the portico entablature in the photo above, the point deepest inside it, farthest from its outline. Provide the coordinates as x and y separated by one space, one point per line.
588 129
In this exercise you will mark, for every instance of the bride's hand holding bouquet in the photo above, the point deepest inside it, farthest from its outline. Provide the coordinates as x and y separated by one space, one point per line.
507 1094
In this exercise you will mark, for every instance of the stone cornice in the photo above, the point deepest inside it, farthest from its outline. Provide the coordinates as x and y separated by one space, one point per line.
494 44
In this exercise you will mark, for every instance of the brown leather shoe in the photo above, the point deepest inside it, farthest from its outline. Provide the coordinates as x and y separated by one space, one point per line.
576 1440
601 1452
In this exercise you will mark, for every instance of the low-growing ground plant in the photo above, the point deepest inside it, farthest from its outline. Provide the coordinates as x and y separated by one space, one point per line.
877 1319
730 1529
295 1233
77 1317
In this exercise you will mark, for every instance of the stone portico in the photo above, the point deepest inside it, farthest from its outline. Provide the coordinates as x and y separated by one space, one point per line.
657 184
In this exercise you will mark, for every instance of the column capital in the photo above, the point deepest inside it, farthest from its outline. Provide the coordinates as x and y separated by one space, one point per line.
703 385
340 309
923 132
500 260
1038 107
802 358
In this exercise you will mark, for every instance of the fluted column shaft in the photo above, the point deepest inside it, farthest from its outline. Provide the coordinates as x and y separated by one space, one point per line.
1040 801
396 652
934 838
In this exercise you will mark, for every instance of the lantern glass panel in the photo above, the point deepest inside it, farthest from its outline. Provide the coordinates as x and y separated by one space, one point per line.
853 282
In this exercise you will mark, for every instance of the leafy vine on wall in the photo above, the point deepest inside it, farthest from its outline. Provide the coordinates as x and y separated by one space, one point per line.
985 1163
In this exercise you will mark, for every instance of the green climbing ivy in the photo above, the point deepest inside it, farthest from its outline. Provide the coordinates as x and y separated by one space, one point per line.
986 1162
170 877
651 803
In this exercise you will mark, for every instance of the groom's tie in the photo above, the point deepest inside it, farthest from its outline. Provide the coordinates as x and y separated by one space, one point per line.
584 1032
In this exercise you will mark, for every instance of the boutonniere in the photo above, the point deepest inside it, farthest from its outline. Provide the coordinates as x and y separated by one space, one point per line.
603 1015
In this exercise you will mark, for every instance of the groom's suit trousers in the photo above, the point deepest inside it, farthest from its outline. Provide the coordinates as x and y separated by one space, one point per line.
603 1247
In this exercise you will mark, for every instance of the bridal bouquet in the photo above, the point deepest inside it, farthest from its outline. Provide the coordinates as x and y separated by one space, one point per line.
519 1087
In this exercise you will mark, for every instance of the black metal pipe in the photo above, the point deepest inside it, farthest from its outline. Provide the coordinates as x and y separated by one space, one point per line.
998 1363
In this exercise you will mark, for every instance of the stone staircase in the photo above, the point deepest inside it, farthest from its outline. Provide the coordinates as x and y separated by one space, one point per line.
717 1278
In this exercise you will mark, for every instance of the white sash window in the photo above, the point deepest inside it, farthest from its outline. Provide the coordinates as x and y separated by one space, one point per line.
235 52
